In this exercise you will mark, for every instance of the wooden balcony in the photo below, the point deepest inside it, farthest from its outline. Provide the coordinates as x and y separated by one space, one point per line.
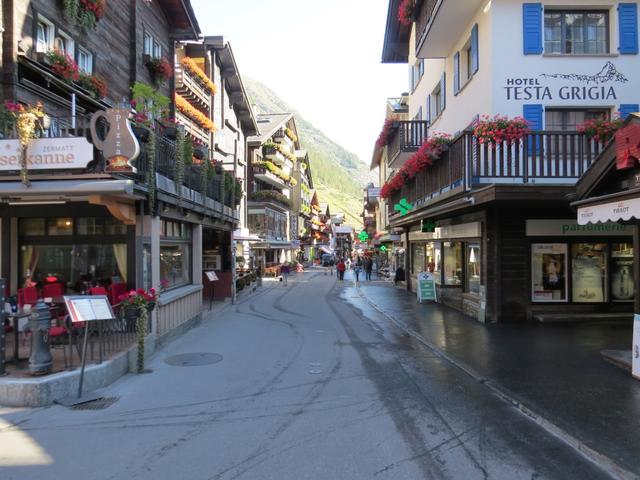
440 24
193 129
407 138
190 88
271 178
541 158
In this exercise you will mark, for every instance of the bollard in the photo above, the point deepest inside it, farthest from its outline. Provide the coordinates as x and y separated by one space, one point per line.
41 360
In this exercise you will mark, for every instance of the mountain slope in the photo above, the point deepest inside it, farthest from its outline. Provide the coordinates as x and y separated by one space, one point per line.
338 174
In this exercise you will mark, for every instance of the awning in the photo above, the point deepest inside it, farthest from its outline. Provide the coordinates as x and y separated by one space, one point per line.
622 206
51 190
272 244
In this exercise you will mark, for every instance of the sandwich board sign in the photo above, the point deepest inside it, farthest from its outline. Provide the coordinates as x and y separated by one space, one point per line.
426 287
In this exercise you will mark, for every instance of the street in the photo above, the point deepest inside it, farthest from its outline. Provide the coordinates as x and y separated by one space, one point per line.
312 384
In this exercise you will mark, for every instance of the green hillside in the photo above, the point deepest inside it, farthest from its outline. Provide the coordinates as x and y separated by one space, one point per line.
338 175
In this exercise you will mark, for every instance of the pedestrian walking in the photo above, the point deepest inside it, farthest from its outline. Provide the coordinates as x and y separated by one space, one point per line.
357 269
284 271
341 267
368 267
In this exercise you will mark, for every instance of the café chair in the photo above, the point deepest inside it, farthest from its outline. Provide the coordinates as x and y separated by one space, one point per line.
27 295
53 290
97 291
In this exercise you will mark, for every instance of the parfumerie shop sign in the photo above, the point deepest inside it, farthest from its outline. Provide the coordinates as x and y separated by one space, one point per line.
571 228
47 154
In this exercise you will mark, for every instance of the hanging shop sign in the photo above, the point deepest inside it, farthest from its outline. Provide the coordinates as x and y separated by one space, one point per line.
119 145
403 207
571 228
47 154
569 86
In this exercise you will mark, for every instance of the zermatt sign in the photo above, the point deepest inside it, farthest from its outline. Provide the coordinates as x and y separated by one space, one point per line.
599 86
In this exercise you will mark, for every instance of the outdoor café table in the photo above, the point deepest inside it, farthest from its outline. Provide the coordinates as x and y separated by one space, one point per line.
15 317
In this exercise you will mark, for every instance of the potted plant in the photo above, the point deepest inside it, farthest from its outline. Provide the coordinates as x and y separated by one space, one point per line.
137 304
94 84
600 129
500 129
62 64
160 69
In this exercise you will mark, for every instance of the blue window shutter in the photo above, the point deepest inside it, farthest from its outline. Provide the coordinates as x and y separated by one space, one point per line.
474 49
533 114
627 108
628 28
456 73
443 92
532 28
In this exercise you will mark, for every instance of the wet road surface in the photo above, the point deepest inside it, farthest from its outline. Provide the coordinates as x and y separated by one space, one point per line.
313 384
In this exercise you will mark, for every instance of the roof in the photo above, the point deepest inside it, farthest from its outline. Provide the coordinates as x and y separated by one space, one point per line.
233 81
268 124
182 19
603 167
395 48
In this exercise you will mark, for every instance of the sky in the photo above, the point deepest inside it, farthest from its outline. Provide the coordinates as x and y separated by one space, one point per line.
322 58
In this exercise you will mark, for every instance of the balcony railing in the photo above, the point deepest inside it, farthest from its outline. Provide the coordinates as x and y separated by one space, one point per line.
189 87
164 164
542 158
193 129
423 19
407 139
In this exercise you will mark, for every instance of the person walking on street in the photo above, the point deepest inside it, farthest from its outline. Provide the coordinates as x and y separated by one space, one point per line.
368 267
341 267
357 269
284 271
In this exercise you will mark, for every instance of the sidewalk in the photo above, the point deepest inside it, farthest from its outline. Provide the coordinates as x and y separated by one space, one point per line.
553 373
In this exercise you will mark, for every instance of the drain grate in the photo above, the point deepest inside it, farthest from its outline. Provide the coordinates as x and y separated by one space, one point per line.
98 404
193 359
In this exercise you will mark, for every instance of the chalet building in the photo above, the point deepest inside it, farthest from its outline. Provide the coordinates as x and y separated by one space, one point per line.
92 220
492 220
208 79
271 181
301 203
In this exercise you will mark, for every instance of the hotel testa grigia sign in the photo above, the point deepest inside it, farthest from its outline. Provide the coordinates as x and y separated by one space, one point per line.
47 154
602 85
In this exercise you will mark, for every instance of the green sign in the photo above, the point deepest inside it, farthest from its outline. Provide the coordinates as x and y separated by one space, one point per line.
383 248
364 236
403 207
427 290
428 226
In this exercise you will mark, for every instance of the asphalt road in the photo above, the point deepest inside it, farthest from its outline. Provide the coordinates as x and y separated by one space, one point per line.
312 385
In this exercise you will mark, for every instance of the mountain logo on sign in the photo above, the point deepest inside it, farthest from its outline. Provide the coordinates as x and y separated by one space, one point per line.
608 73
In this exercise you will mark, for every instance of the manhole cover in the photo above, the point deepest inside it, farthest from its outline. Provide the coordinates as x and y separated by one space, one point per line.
193 359
99 404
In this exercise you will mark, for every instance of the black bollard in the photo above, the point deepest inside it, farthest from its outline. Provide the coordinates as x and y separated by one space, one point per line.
41 360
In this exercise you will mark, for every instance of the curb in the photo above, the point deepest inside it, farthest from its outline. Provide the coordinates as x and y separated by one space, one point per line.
602 461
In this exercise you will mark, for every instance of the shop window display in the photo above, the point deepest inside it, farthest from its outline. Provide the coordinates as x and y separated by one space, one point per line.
621 272
453 263
588 272
473 260
417 258
549 267
434 261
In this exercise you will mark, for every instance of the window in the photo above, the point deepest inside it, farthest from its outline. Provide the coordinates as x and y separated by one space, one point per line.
64 43
434 261
568 120
157 50
468 59
44 35
621 272
549 272
85 61
417 258
436 102
60 226
589 272
453 263
473 262
148 44
175 254
576 32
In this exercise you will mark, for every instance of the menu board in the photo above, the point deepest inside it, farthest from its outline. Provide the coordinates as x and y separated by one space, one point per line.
211 276
83 308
